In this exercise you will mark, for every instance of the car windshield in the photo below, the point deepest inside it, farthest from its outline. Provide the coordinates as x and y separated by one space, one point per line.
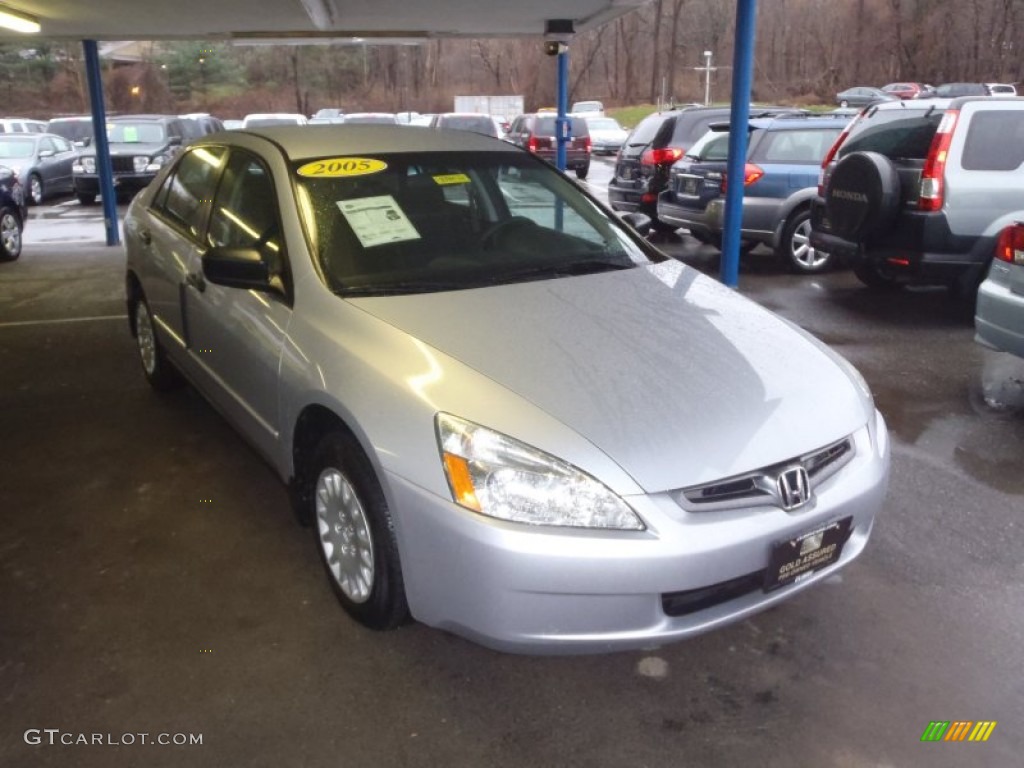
14 149
135 133
414 223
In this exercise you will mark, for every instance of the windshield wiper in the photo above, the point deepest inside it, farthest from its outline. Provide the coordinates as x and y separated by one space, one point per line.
562 269
401 289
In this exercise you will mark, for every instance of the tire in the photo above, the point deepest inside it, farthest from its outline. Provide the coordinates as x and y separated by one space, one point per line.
863 196
844 103
36 191
10 234
158 370
582 171
875 276
355 534
795 249
86 198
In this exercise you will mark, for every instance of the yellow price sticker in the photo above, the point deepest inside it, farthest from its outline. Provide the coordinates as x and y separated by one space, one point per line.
340 167
452 178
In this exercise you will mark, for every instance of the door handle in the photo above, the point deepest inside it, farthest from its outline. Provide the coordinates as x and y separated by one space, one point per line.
196 280
145 237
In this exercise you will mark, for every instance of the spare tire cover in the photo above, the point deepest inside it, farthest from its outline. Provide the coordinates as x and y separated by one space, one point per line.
863 195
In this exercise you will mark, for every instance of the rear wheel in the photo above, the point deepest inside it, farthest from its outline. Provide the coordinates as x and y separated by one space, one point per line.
582 171
355 534
875 275
10 234
795 248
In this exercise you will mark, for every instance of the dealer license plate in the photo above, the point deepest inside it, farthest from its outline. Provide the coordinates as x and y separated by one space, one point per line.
793 560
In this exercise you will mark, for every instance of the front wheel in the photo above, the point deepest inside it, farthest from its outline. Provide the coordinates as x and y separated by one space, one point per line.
795 249
10 234
160 373
35 189
355 535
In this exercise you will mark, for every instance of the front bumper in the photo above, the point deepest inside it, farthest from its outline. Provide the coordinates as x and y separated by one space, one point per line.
86 183
558 590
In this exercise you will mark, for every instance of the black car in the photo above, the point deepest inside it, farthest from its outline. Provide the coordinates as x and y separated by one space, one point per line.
12 214
658 141
140 145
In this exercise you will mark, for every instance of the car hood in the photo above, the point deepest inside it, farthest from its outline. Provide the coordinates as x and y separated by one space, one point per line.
676 378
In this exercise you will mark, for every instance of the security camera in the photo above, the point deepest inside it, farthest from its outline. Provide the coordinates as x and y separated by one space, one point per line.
555 47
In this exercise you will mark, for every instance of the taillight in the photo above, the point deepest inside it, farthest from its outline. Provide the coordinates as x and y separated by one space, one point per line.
531 144
666 155
751 173
587 144
832 155
930 197
1010 245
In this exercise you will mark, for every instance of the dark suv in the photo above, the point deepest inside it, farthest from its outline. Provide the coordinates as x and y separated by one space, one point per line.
658 141
784 156
536 133
139 146
918 191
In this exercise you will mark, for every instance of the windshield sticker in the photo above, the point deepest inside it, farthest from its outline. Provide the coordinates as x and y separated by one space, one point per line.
452 178
340 167
377 220
131 133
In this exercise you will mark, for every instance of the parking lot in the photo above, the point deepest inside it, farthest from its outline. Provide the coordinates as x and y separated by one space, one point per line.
153 578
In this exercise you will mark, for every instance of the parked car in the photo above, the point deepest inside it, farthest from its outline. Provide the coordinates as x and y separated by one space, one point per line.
587 109
372 118
139 146
21 125
862 95
918 191
1001 90
904 90
12 214
329 113
536 133
606 135
486 125
77 129
43 160
659 140
999 315
443 388
201 123
263 119
955 90
784 155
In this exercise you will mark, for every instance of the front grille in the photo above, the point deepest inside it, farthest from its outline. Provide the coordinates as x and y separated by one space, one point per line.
692 600
121 164
760 487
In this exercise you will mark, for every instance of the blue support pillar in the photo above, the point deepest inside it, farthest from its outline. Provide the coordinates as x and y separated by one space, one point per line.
742 76
99 129
563 124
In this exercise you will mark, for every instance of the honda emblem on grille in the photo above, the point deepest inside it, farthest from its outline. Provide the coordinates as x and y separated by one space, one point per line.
794 488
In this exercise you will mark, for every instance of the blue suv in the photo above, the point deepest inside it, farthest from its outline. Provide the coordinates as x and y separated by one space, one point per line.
784 156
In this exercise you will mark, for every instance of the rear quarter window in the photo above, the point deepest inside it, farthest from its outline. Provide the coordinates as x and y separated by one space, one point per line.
648 128
995 141
795 146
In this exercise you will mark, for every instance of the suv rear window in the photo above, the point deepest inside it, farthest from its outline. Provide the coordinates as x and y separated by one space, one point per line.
895 133
795 146
986 147
648 129
481 124
545 126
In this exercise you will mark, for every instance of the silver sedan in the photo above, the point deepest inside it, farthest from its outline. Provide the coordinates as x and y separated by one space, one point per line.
502 411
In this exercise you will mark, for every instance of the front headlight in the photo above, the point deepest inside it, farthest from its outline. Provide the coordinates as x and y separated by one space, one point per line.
498 476
157 162
88 165
139 163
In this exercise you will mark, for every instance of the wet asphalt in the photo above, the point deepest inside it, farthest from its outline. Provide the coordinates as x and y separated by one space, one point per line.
153 580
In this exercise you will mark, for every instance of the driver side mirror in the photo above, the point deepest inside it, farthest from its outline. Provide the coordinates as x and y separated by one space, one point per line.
243 268
44 153
640 222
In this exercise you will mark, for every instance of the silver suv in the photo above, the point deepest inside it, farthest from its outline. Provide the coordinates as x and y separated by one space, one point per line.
918 191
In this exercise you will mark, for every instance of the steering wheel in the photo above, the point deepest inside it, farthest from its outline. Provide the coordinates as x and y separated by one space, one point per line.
490 234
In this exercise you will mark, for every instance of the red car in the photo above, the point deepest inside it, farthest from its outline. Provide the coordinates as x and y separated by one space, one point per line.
904 90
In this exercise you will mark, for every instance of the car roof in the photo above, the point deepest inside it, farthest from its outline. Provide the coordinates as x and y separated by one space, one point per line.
299 142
